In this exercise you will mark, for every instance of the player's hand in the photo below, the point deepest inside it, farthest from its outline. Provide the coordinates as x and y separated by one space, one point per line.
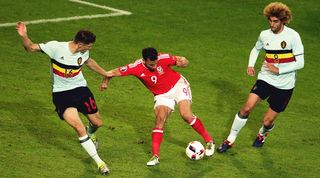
270 67
250 71
21 29
181 61
103 86
104 83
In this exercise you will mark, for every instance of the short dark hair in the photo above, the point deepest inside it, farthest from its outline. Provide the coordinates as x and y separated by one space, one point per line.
84 36
150 53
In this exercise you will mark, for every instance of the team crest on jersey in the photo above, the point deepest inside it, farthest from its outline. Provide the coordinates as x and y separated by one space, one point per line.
123 69
283 44
79 60
160 70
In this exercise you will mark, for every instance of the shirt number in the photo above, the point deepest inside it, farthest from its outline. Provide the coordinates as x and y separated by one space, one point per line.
154 79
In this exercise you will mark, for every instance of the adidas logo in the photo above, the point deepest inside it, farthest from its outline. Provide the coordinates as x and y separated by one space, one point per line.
142 75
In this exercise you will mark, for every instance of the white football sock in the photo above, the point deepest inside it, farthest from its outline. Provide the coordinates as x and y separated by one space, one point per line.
237 125
88 145
263 130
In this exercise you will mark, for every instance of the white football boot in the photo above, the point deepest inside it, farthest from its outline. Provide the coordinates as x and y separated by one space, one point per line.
103 168
209 148
153 161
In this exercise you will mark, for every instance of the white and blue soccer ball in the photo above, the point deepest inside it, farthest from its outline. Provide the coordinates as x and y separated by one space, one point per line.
195 150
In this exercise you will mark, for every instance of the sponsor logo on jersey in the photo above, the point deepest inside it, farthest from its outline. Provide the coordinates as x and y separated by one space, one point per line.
79 60
123 69
283 44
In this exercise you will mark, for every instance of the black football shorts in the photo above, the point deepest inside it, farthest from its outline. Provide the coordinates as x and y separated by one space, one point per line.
278 99
80 98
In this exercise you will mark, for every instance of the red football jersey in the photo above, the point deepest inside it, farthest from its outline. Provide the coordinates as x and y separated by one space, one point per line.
158 81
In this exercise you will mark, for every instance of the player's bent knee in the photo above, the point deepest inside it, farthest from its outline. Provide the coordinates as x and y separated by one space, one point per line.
98 123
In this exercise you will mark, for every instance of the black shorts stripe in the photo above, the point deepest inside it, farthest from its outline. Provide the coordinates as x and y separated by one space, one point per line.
65 66
278 51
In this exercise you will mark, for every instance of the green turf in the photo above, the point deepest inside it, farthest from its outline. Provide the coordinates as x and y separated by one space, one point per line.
216 37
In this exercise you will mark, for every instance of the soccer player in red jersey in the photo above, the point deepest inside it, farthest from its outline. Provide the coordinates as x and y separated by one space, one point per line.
169 87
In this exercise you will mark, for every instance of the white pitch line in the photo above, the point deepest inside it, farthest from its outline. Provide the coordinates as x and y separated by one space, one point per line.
64 19
116 12
101 6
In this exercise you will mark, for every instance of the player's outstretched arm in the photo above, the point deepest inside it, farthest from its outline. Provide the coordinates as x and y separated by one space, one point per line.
107 77
93 65
27 43
113 73
181 61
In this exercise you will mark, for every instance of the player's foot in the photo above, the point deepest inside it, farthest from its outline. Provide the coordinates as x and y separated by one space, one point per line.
153 161
103 168
224 146
94 138
259 141
209 148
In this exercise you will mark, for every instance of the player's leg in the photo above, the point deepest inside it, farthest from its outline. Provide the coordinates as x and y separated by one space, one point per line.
71 116
183 96
86 104
162 112
186 113
278 102
267 126
239 121
241 117
95 122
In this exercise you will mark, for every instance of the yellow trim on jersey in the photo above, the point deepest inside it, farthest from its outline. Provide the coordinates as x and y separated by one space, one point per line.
63 70
279 56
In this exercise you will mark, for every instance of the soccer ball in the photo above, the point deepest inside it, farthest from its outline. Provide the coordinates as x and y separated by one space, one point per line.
195 150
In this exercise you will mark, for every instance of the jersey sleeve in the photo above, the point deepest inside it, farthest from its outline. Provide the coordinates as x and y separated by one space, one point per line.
255 52
259 43
169 59
130 69
297 50
297 46
49 48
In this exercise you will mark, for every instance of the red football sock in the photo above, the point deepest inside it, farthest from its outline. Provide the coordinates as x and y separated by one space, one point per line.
198 126
157 135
